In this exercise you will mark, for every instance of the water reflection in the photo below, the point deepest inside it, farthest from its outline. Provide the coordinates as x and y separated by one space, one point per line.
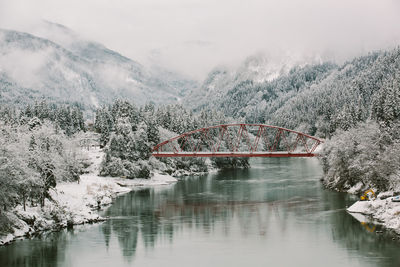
42 251
252 199
233 218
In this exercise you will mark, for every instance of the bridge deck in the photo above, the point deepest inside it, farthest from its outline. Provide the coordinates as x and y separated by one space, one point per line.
278 154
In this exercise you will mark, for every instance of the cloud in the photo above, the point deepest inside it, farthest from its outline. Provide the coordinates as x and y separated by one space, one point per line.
24 66
192 36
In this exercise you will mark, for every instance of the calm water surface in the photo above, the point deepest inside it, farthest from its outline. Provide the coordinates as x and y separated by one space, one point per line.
274 214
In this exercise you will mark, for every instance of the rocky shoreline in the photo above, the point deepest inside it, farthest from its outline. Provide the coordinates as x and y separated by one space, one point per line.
381 211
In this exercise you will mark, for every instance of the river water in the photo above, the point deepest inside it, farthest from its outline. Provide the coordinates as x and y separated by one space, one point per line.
274 214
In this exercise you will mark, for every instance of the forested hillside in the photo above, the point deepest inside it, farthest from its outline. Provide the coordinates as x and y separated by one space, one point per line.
357 104
222 82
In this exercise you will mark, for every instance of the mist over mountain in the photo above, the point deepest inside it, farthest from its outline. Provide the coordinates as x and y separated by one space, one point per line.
259 70
315 97
57 64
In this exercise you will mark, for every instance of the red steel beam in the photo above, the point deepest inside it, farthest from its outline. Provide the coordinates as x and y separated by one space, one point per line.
236 154
254 147
221 137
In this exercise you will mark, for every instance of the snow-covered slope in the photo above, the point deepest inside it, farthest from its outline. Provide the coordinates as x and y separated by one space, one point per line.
256 69
58 64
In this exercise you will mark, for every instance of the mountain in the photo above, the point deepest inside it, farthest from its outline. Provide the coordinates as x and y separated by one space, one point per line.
59 65
256 70
317 98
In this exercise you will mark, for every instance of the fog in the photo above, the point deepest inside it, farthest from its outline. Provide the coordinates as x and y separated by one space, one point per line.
193 36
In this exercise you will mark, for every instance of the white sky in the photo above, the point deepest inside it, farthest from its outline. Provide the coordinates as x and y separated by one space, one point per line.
193 36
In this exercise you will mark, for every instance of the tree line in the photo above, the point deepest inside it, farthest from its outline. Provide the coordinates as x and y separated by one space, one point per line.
35 154
129 133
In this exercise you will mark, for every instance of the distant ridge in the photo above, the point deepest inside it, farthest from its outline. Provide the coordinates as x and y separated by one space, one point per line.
63 67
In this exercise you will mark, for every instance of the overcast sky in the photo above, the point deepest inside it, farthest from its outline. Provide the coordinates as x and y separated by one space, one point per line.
193 36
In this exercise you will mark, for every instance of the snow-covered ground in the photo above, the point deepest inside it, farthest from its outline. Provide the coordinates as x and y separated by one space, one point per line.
383 211
76 203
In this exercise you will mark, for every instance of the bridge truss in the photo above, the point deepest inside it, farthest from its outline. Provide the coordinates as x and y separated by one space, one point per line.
239 140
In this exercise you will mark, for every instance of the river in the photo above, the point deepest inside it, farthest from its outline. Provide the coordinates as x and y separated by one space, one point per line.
274 214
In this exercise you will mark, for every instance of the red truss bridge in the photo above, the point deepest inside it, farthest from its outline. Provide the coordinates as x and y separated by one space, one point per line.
239 140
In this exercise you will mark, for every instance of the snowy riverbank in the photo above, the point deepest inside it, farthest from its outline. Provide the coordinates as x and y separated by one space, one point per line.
76 203
382 211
